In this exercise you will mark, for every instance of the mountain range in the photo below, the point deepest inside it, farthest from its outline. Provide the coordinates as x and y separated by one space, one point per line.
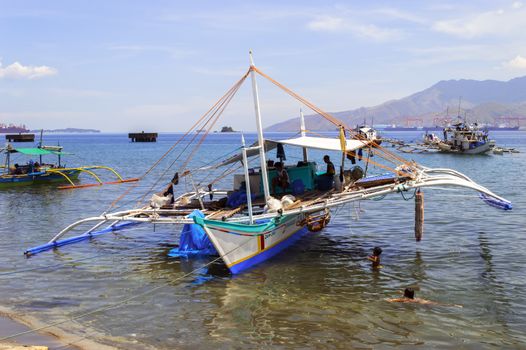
481 101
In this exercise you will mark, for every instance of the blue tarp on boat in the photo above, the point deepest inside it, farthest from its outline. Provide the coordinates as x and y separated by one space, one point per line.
194 240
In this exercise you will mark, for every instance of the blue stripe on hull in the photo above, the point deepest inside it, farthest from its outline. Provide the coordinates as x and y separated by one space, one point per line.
267 254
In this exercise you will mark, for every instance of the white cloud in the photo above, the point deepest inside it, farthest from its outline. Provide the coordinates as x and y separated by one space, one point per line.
18 71
490 23
79 93
341 25
518 62
517 5
397 14
328 24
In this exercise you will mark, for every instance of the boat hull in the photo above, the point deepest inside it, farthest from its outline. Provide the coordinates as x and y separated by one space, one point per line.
241 251
482 149
25 180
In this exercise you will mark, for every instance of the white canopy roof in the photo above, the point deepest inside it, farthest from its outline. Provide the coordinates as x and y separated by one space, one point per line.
324 143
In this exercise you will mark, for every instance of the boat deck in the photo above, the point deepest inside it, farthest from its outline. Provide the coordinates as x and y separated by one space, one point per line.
218 209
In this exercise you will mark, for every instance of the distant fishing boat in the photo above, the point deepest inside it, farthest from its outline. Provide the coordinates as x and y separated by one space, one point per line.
32 172
248 223
368 133
464 138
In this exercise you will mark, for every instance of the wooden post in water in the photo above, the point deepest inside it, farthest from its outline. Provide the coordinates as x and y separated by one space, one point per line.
419 215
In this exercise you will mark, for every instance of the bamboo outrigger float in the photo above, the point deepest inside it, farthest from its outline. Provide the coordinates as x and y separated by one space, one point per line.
248 225
39 172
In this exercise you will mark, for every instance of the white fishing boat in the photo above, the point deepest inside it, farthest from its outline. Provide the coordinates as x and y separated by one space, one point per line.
464 138
247 223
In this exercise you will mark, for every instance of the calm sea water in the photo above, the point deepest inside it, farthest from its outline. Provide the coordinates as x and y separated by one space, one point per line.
321 293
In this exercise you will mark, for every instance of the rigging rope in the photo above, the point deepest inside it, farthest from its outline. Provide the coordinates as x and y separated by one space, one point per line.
390 156
213 118
194 126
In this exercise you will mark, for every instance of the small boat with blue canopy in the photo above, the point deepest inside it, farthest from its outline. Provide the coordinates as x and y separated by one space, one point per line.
267 205
41 171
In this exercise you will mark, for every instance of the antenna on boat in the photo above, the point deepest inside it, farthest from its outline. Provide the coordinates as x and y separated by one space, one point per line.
261 140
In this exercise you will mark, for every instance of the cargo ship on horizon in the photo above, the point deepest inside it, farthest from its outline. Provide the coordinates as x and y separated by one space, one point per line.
11 128
401 128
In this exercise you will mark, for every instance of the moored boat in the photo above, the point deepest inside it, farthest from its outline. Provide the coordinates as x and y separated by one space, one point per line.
248 223
464 138
33 172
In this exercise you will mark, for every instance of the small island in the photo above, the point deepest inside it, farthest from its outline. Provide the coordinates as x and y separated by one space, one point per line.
227 129
68 130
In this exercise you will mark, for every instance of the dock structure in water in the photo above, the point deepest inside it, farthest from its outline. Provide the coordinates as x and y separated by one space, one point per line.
20 137
143 136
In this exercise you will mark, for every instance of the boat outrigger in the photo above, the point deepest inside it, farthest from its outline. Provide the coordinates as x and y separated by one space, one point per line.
40 172
247 224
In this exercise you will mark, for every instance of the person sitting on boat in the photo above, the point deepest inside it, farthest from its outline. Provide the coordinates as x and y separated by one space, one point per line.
409 297
331 171
36 167
17 170
282 178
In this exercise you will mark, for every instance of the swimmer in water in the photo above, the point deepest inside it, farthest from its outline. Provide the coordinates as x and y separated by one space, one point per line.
409 297
375 258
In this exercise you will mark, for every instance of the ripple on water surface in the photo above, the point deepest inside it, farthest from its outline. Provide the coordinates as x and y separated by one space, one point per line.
319 293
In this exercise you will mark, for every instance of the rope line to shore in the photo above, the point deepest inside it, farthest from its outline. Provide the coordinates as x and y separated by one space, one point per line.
125 301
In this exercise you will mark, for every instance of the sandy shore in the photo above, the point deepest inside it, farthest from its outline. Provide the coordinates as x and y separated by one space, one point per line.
52 338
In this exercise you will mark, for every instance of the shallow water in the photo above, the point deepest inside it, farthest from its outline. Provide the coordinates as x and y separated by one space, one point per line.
319 293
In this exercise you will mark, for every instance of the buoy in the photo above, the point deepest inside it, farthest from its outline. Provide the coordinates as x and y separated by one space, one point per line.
419 215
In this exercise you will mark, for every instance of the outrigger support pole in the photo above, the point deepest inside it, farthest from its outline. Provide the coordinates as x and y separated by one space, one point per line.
121 219
87 169
247 181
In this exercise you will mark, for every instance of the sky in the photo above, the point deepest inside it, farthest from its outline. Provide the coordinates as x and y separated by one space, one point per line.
122 66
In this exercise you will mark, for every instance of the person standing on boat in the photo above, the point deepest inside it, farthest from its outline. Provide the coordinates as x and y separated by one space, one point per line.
282 178
331 171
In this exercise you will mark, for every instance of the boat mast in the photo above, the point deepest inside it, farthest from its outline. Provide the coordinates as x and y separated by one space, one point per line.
40 145
261 140
7 161
303 132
